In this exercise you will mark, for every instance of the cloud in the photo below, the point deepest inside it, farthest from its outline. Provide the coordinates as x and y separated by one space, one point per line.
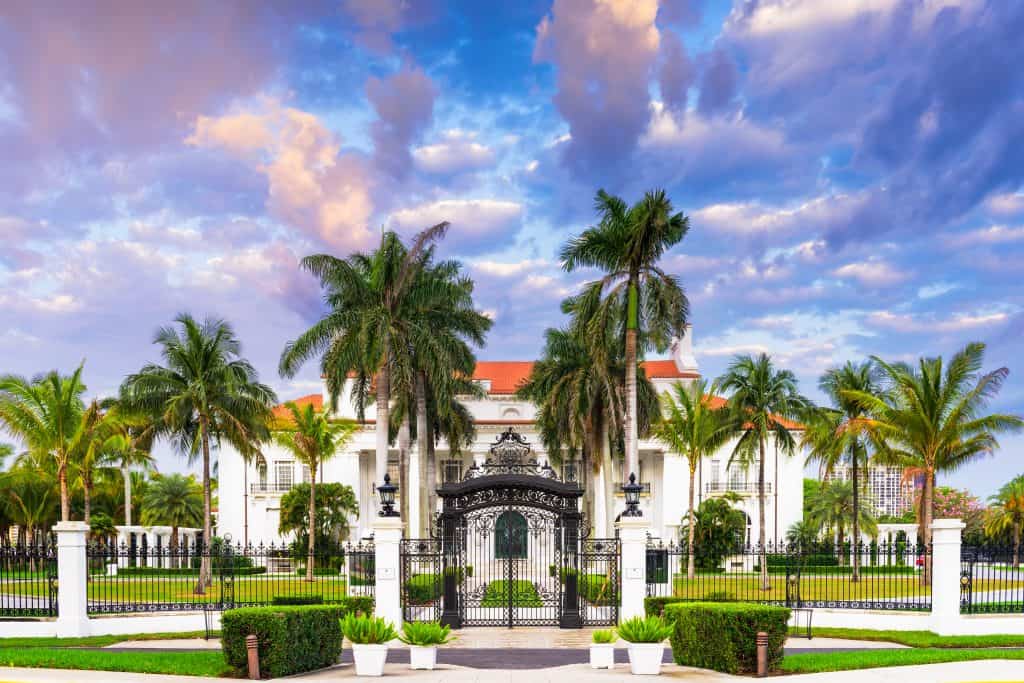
377 20
992 235
871 273
507 268
475 223
404 102
718 83
1008 204
676 74
603 52
931 323
456 152
313 186
752 219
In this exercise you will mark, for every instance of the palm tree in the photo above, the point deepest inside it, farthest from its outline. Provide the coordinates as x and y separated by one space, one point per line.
173 500
833 510
203 395
312 439
763 399
627 243
836 435
932 417
1007 514
46 413
374 301
694 427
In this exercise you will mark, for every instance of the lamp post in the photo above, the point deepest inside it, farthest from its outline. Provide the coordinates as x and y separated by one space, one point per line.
387 497
632 493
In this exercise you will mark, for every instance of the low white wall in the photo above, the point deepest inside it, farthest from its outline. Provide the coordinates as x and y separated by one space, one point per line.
888 620
114 625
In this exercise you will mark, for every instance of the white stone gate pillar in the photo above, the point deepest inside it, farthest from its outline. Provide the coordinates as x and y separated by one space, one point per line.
72 599
387 536
633 537
946 575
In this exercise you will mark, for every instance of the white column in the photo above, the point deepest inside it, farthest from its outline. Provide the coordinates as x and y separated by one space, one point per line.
72 600
946 575
415 492
633 536
387 533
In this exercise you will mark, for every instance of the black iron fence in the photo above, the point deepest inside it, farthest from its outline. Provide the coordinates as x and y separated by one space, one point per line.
126 579
991 580
891 576
28 580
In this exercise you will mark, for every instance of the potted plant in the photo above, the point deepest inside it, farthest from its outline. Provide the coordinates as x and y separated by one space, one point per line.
423 637
369 637
602 650
645 638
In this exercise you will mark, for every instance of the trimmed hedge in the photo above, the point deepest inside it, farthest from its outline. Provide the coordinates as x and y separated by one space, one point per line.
291 639
186 571
656 606
723 636
424 588
297 600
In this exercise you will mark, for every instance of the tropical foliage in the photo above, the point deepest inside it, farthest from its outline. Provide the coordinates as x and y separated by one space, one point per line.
1006 514
718 530
173 500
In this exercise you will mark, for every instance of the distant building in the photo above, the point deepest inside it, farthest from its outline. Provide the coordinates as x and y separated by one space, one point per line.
885 487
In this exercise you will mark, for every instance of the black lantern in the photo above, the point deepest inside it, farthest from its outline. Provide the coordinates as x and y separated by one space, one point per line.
632 493
387 497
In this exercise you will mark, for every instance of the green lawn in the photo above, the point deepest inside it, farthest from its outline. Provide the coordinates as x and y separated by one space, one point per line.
181 663
524 594
747 587
919 639
97 641
869 659
259 588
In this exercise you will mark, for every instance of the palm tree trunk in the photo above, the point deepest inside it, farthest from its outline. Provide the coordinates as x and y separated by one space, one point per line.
926 522
127 494
691 560
855 574
426 483
609 474
381 428
632 313
1016 545
65 498
403 469
312 523
775 498
172 547
87 498
760 515
205 575
431 471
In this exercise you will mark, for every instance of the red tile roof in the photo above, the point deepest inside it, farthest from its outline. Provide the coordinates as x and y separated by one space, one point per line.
316 400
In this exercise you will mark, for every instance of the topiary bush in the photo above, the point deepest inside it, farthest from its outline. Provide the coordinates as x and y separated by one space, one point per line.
723 636
291 639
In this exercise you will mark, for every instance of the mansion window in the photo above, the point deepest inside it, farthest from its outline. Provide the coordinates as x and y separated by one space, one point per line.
284 471
305 474
396 475
451 471
571 470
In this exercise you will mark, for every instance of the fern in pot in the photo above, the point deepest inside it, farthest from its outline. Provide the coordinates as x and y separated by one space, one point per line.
602 649
369 637
423 639
646 638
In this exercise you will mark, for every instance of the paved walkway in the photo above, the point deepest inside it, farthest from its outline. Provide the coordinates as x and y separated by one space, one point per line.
957 672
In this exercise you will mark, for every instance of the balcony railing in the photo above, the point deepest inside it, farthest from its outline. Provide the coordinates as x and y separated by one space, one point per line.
745 487
270 487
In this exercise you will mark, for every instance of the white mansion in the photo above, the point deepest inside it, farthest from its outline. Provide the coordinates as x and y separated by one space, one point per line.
250 494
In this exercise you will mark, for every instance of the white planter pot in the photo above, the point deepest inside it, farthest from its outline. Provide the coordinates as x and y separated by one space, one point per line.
602 655
369 659
422 657
645 658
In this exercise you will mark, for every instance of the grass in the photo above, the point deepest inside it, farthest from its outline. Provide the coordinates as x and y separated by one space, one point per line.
181 663
157 589
96 641
918 639
869 659
523 594
747 587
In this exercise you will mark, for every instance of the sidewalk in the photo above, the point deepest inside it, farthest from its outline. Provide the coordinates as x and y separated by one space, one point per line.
957 672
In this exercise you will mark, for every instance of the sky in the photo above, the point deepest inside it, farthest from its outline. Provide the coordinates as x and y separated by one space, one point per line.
853 171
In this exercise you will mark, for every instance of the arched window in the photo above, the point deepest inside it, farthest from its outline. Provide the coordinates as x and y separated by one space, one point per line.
510 534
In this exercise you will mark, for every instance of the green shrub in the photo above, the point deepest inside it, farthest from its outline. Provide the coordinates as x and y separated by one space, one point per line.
604 636
318 571
656 606
423 588
297 600
291 639
524 594
425 633
366 630
356 604
722 636
597 589
645 630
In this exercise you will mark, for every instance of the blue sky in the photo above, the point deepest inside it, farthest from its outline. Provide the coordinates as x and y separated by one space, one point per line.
853 171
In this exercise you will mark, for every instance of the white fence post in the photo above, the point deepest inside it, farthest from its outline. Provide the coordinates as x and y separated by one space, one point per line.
72 568
633 536
946 575
387 536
